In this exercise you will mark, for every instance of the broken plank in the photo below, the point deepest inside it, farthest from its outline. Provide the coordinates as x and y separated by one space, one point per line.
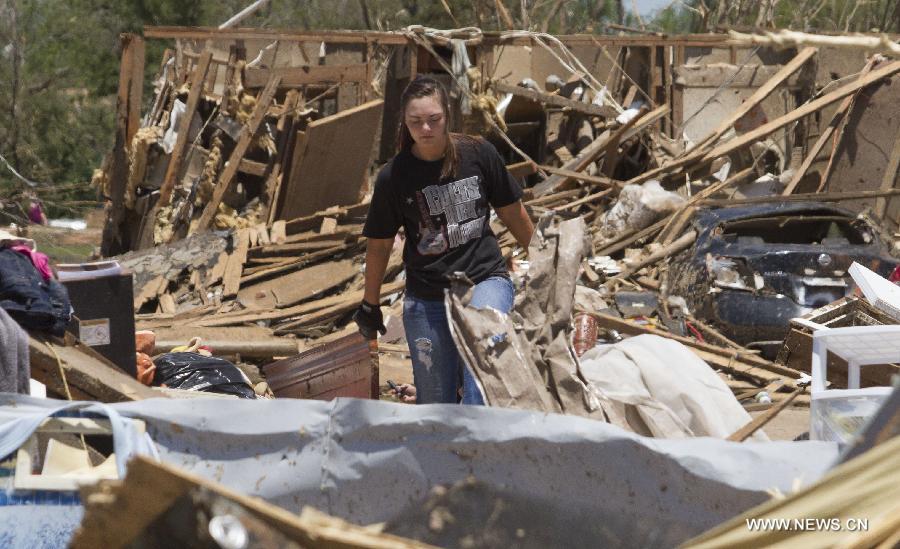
298 286
628 238
556 100
252 167
761 93
585 200
231 279
549 198
330 162
682 243
521 169
597 148
602 181
167 304
350 300
746 364
304 260
293 77
278 233
291 248
247 341
184 126
313 221
701 157
836 119
150 291
237 154
746 431
88 376
218 270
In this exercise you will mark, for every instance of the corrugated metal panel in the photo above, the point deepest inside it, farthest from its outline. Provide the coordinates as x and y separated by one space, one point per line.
344 368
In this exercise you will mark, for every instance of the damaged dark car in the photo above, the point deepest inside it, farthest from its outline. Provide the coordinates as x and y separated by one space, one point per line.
753 268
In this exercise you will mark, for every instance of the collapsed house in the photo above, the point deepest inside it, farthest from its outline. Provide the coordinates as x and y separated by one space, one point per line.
236 201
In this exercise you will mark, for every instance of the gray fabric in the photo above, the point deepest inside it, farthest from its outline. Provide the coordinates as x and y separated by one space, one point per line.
368 461
15 368
17 425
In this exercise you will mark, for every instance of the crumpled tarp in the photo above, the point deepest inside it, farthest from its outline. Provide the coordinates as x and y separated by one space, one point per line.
368 461
664 390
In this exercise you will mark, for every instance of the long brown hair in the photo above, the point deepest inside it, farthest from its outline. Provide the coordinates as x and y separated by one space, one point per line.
423 86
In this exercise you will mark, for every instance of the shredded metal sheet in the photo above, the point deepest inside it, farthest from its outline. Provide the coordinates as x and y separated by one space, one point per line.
369 461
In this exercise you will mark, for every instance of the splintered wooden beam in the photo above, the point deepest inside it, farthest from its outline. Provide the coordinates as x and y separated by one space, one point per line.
88 376
762 93
755 135
836 119
593 151
556 100
756 424
234 161
231 279
128 110
184 126
700 158
730 360
342 302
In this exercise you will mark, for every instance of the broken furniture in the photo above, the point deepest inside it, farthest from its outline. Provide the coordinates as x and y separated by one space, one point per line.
839 414
796 352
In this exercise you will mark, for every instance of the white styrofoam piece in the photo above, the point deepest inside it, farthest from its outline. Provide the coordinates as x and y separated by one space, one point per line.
879 291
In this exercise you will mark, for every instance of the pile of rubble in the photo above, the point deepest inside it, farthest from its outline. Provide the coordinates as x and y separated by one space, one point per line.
700 203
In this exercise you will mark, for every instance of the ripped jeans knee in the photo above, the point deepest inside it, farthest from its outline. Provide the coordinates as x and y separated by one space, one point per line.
439 373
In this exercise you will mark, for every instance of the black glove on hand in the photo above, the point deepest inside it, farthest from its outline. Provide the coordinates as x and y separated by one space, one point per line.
369 320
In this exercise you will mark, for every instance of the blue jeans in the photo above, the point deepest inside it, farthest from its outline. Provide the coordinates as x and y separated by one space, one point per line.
438 370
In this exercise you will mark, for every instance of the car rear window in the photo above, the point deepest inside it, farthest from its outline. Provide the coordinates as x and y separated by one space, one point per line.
827 230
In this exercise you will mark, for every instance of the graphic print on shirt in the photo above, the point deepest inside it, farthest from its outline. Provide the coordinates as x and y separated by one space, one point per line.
432 240
457 202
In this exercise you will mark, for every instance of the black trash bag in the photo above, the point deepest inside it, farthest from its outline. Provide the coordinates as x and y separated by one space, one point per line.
35 303
196 372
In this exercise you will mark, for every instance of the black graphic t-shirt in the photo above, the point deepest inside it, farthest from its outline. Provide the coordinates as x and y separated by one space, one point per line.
446 220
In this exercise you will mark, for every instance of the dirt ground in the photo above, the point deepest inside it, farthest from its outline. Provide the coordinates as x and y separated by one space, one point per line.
787 425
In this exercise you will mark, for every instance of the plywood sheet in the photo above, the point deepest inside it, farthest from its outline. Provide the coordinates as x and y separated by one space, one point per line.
330 161
293 288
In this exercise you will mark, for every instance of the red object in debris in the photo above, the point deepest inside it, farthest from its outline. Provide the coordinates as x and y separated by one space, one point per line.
895 275
585 336
697 335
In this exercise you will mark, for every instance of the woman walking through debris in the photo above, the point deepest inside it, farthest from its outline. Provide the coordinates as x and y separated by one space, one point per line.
439 188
